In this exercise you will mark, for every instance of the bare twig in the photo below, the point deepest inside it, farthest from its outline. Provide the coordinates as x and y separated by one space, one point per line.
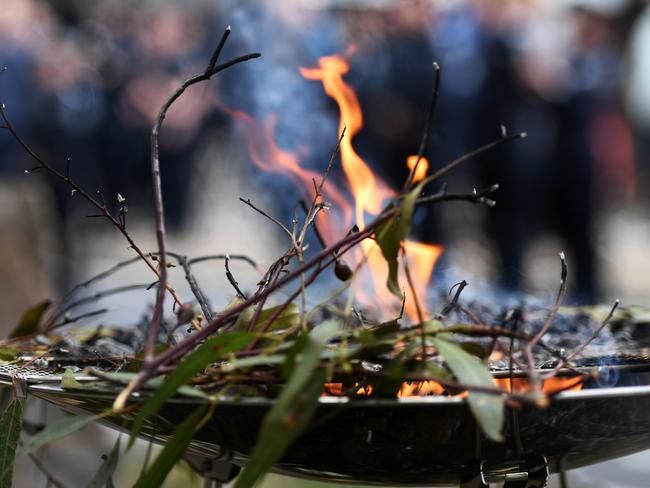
231 278
211 69
427 126
505 138
272 219
477 196
69 320
528 349
454 301
562 363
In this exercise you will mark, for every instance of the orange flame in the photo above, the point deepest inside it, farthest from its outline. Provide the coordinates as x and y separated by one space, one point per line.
423 167
371 193
430 387
268 156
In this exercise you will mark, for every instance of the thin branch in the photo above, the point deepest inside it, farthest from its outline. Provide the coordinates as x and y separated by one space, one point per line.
69 320
231 278
454 301
272 219
505 138
593 336
528 349
477 196
211 69
76 189
202 300
427 126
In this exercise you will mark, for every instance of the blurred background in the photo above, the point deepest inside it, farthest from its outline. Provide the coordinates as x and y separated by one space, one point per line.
85 80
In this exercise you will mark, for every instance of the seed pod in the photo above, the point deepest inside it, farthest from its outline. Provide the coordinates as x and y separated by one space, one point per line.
342 270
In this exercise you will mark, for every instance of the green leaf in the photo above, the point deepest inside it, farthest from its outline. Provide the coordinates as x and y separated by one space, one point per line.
290 317
106 470
475 349
64 428
10 426
391 234
68 381
210 351
294 408
173 451
488 409
8 353
260 360
30 320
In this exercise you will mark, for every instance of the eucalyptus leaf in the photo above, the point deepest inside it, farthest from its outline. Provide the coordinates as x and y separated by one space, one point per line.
8 353
210 351
260 360
10 427
69 382
488 409
294 408
290 317
173 450
391 234
30 320
54 432
104 475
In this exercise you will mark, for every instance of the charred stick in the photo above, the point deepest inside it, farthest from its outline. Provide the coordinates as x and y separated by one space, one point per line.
427 125
231 278
211 69
477 196
202 300
454 301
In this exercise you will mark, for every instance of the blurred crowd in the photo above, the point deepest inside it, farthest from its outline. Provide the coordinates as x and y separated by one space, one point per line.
85 80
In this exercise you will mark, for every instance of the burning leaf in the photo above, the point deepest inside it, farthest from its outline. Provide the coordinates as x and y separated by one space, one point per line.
68 381
295 406
105 473
10 426
57 431
210 351
173 451
488 409
30 320
391 234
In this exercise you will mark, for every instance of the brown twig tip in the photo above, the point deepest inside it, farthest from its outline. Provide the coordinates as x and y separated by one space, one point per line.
565 269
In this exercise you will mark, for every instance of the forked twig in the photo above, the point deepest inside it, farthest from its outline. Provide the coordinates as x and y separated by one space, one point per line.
211 69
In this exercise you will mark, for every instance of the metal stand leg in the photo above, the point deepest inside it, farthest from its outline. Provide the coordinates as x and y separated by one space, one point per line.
214 471
523 475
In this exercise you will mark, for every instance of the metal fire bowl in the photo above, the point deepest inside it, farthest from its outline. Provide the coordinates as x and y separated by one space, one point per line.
409 441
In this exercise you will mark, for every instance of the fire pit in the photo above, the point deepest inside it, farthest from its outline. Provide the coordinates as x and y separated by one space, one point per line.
402 441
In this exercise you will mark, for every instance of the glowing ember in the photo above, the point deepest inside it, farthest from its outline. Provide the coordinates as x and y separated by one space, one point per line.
429 388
